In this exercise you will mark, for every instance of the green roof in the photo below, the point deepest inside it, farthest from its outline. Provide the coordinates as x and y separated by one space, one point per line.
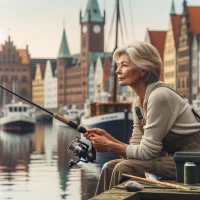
64 49
92 12
94 55
173 11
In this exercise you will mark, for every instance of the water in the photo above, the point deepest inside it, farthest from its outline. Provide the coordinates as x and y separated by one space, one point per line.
35 166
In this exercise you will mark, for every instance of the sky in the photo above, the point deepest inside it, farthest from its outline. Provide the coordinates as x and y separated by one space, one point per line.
39 23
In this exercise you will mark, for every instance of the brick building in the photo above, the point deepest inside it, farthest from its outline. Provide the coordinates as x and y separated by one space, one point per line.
72 70
15 68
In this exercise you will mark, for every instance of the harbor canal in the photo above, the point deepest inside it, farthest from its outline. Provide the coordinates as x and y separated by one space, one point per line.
35 166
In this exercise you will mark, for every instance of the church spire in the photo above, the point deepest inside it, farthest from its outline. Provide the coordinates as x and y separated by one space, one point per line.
185 6
173 11
64 49
92 13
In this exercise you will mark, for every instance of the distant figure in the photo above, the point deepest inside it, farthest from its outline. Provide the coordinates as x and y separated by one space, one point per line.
163 121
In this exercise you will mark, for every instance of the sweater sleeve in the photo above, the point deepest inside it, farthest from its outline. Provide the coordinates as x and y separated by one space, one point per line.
160 118
137 133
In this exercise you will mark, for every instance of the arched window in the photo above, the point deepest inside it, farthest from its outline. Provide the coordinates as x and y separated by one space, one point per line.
179 83
24 79
183 83
187 82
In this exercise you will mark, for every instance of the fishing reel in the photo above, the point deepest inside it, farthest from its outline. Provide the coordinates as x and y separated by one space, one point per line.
81 150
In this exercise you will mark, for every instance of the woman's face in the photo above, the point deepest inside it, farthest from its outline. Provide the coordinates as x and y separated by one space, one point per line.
127 73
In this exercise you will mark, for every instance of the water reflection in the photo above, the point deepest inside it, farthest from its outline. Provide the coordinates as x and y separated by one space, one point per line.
35 166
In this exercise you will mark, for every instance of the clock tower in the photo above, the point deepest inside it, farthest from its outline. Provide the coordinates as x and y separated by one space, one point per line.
92 28
92 39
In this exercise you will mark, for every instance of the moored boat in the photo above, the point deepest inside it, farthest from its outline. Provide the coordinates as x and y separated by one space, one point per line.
17 117
114 117
72 114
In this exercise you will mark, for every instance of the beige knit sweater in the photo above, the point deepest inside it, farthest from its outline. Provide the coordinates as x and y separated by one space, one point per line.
163 111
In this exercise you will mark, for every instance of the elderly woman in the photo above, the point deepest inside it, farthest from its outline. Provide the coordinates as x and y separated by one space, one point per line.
165 122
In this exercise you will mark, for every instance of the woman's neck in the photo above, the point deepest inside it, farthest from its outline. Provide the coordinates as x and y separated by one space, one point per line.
140 90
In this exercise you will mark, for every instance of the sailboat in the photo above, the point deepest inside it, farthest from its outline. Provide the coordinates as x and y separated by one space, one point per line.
113 116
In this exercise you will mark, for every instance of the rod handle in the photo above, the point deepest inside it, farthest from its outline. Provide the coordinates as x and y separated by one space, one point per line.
69 123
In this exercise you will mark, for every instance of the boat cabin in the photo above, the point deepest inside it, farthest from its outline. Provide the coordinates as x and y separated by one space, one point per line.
15 108
109 107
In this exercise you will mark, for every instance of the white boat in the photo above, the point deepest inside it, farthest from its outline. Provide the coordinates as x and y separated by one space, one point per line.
17 117
72 114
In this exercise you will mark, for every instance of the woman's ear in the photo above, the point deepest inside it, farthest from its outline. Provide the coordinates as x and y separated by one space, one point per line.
143 72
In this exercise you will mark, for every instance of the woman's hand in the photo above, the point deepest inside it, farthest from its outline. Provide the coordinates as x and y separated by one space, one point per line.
96 131
100 142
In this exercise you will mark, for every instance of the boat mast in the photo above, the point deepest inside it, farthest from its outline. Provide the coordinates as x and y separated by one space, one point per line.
116 45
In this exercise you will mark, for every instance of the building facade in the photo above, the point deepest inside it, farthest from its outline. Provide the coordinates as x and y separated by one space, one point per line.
189 26
170 49
15 67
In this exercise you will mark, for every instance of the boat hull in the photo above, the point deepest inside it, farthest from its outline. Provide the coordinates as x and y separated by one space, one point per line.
17 123
119 125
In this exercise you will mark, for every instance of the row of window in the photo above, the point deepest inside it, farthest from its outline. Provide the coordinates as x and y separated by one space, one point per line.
73 85
8 59
13 78
13 69
169 51
183 68
169 63
184 83
72 93
169 74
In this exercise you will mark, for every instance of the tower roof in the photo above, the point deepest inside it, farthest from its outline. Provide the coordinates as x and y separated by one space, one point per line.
175 20
173 11
64 49
92 12
194 15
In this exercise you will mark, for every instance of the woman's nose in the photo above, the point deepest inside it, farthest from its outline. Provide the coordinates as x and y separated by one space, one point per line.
118 70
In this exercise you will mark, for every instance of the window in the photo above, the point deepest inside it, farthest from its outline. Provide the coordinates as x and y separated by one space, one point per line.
24 79
183 84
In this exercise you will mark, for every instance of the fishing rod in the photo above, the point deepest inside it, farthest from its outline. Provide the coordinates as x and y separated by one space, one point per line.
55 115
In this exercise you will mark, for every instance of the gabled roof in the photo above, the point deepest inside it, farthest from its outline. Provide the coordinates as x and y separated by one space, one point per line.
23 53
64 49
41 61
194 16
173 11
92 12
176 20
157 39
42 69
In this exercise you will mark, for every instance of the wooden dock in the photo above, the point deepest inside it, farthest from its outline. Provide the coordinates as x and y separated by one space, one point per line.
150 192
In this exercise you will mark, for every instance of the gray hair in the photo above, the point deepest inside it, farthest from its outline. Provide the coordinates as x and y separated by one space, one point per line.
144 56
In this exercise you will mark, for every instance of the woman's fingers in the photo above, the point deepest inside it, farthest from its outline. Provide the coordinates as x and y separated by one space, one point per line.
94 130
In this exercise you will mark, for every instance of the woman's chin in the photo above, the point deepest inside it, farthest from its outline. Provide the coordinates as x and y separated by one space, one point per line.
122 84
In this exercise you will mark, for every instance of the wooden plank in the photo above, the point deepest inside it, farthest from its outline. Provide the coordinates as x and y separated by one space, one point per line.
117 194
150 192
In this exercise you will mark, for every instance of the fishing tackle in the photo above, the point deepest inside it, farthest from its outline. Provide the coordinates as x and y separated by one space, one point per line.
82 150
